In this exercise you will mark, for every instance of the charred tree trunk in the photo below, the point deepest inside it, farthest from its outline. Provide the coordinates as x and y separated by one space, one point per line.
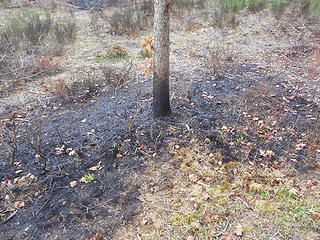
161 100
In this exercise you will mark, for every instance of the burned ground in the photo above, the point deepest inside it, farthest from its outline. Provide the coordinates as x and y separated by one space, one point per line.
81 166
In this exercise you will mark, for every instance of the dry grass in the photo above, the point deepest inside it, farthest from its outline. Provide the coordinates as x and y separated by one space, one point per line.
194 196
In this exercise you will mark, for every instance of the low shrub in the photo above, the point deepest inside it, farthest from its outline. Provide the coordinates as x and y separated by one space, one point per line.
147 7
223 17
233 5
47 66
219 60
129 21
255 6
117 52
28 27
278 7
36 27
64 32
21 43
180 7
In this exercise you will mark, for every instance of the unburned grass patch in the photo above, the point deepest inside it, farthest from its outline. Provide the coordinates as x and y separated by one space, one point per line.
209 200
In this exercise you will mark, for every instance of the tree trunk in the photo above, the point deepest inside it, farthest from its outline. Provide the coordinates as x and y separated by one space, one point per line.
161 101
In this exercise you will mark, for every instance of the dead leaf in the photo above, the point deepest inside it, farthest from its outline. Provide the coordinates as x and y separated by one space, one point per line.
238 231
60 150
227 236
300 146
169 185
207 218
72 153
256 187
98 236
83 180
190 238
193 178
73 183
97 167
144 221
195 224
206 196
19 204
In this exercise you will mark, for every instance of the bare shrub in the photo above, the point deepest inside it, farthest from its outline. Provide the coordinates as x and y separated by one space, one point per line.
28 27
129 21
278 7
255 6
64 32
61 89
219 59
181 7
9 131
88 83
222 17
35 133
18 67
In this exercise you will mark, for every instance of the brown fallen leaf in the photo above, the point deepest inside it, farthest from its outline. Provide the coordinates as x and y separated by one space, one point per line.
195 224
238 231
19 204
73 183
98 236
193 178
72 153
190 238
97 167
83 180
206 196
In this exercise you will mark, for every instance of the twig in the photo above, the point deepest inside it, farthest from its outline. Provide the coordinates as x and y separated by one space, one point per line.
121 78
49 198
224 230
2 58
245 203
10 217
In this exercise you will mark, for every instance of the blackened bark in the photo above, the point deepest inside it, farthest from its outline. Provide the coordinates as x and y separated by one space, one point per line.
161 97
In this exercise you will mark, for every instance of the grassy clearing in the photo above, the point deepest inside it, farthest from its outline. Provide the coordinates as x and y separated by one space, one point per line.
204 199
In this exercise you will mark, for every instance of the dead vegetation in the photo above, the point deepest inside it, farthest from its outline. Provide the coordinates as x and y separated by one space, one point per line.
89 83
9 131
23 40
